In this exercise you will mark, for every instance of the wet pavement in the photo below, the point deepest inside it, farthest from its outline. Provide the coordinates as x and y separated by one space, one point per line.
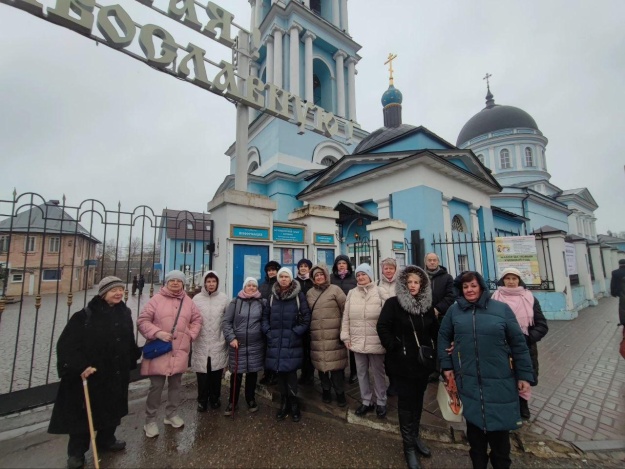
578 405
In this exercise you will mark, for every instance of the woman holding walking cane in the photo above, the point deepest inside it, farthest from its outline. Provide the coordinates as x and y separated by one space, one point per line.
97 345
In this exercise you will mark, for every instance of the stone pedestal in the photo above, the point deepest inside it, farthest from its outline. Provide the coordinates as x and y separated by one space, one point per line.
597 268
389 234
324 236
583 272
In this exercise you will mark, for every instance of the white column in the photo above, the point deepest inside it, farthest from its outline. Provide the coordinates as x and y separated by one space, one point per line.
351 87
308 39
294 60
243 118
277 56
269 61
344 22
259 13
253 24
336 13
340 82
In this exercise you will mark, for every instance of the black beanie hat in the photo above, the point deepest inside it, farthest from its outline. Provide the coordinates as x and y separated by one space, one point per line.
272 264
304 261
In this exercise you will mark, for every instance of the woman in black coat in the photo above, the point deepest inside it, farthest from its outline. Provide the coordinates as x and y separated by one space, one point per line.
402 318
97 344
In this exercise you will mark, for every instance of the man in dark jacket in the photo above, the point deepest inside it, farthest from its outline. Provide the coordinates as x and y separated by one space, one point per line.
343 276
442 285
617 289
305 282
271 275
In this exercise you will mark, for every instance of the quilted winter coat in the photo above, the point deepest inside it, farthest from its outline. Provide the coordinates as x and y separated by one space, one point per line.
486 337
210 342
284 324
327 352
159 314
387 287
360 319
242 321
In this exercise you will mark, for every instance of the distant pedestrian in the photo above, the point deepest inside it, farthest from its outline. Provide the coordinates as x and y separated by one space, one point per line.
242 329
477 340
210 350
328 353
271 276
342 275
306 283
141 284
156 321
404 318
135 284
358 332
285 321
97 345
512 291
617 289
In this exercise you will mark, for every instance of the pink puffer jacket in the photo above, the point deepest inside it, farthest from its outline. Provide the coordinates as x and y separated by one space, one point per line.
159 314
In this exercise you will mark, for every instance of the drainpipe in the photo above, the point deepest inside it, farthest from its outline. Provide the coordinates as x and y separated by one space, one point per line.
524 211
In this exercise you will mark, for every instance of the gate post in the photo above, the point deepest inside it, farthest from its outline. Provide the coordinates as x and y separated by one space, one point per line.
600 276
583 272
385 232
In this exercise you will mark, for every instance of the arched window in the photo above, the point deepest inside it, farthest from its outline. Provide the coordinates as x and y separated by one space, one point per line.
316 90
504 159
252 167
529 158
457 224
481 158
328 161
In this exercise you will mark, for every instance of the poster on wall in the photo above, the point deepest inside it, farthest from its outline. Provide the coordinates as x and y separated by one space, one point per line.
518 252
571 259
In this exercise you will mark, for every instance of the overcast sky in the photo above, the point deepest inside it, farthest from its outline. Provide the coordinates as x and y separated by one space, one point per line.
90 122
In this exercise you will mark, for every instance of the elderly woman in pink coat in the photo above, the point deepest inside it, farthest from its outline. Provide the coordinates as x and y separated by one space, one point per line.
156 321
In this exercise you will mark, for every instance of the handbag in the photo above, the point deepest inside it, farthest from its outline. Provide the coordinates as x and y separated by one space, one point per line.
449 401
157 347
427 355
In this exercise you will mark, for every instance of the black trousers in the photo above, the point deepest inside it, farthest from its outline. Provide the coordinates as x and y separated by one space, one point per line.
287 383
308 370
333 379
499 443
209 385
250 387
352 364
79 442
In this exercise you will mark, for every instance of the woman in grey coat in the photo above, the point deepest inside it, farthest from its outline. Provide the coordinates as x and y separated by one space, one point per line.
241 326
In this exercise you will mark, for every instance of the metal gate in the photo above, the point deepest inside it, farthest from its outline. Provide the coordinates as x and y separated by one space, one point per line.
52 257
365 251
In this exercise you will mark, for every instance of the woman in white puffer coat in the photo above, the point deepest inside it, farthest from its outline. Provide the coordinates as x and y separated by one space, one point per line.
210 350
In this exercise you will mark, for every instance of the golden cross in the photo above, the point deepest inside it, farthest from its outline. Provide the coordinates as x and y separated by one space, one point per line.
389 61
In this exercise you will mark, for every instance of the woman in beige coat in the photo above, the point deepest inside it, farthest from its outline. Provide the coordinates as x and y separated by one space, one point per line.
328 354
358 332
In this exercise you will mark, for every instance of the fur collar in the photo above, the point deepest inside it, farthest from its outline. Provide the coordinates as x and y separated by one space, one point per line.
423 300
287 294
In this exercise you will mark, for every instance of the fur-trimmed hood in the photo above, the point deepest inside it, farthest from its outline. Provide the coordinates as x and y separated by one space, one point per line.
323 269
422 302
289 293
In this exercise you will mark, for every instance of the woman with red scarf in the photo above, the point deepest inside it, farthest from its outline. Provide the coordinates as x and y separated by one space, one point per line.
512 291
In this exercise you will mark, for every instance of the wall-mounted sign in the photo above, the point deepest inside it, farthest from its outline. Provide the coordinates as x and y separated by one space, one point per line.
399 246
571 259
288 234
249 232
323 238
518 252
161 50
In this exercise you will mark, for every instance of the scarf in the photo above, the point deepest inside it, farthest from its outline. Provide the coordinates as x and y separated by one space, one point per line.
432 273
303 277
521 301
246 296
343 274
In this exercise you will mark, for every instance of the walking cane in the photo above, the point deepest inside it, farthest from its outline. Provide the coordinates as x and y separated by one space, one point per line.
91 430
236 369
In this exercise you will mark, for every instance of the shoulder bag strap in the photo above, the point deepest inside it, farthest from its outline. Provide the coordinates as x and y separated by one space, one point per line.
313 306
423 323
414 331
178 315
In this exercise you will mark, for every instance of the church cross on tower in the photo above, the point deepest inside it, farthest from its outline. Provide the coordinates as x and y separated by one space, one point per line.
389 61
488 75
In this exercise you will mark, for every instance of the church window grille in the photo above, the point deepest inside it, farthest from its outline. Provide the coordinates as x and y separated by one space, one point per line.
315 6
529 157
457 224
504 159
316 90
328 161
253 167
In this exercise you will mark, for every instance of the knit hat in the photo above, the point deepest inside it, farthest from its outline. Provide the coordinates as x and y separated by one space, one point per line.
365 268
285 270
108 283
175 275
513 271
389 261
304 261
250 280
272 264
621 262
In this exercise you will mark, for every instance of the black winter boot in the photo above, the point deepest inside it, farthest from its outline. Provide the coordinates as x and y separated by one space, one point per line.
419 445
285 408
407 435
525 410
295 413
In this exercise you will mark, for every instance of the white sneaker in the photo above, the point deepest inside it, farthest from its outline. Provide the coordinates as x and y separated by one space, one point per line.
174 421
151 429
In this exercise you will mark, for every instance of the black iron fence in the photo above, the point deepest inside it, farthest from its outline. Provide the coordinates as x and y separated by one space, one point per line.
365 251
466 251
52 256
